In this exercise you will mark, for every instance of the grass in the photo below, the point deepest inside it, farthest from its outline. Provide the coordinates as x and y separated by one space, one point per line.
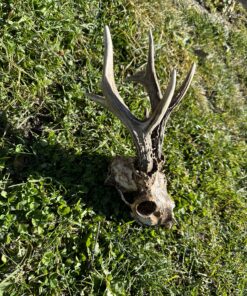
63 232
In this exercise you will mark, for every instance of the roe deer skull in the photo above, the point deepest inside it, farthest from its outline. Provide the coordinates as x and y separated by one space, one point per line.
142 177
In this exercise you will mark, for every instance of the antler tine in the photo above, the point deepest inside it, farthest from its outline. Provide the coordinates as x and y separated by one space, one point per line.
113 100
183 89
148 77
179 94
159 112
174 102
108 71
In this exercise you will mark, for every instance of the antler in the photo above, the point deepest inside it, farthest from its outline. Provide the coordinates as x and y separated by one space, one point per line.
152 205
148 77
147 134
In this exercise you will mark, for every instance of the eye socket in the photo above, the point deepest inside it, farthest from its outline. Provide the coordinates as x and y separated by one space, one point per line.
146 208
130 196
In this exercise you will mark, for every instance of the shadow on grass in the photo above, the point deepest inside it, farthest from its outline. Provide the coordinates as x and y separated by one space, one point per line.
76 175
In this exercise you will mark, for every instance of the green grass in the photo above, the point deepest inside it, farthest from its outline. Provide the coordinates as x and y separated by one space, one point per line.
62 232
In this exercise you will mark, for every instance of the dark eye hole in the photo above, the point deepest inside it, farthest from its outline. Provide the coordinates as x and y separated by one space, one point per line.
146 208
130 196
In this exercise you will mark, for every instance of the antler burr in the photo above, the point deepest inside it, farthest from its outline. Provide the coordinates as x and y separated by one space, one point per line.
152 204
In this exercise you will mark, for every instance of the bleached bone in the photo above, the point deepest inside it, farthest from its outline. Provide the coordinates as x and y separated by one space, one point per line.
144 179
